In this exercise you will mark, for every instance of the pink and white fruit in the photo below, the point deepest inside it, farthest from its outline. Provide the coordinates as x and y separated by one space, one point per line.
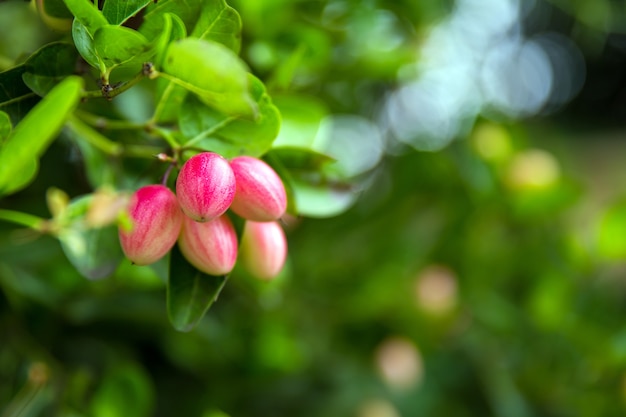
263 249
205 186
156 219
210 246
260 194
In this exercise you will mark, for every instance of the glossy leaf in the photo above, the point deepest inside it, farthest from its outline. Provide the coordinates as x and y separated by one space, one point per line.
220 23
28 140
49 65
190 292
317 199
16 99
95 253
87 14
236 137
118 45
83 40
212 72
188 11
5 127
119 11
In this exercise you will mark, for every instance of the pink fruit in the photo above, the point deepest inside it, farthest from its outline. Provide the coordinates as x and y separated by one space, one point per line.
260 194
205 186
156 219
263 249
210 246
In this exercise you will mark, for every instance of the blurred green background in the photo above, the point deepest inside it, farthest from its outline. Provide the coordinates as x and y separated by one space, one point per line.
474 266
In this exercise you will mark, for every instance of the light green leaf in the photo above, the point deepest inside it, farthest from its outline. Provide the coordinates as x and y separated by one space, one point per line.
118 45
190 292
173 30
235 136
84 44
87 14
611 232
95 253
16 99
220 23
188 11
49 65
317 199
213 72
5 127
302 117
29 140
119 11
126 390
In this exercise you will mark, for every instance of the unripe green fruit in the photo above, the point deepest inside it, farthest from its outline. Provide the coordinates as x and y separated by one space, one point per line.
260 194
209 246
263 249
205 186
157 220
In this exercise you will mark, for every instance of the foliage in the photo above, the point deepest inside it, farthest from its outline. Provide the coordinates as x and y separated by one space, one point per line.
484 279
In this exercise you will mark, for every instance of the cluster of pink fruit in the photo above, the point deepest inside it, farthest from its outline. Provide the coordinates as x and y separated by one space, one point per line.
206 187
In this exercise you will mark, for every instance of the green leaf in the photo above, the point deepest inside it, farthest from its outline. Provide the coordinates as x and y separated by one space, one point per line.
16 99
119 11
126 390
95 253
118 45
213 72
57 9
302 118
173 30
301 159
237 136
28 140
611 236
220 23
87 14
49 65
188 11
84 44
190 292
318 199
5 127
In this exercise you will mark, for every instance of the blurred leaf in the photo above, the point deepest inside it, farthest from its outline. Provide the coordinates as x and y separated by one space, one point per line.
319 199
301 120
190 292
236 137
5 127
119 11
83 40
16 99
87 14
611 232
173 30
213 72
126 390
301 159
28 141
188 12
95 253
49 65
118 45
220 23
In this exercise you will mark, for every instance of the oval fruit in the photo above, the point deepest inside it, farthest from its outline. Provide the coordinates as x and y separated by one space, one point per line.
263 249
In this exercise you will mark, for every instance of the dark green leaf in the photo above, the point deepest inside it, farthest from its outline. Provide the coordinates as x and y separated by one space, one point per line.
118 11
5 127
213 72
95 253
220 23
190 292
49 65
84 44
188 11
118 45
236 137
57 9
16 99
87 14
28 140
301 159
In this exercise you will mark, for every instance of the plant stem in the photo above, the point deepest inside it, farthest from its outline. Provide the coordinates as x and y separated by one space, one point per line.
104 123
107 91
165 134
23 219
96 139
16 99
